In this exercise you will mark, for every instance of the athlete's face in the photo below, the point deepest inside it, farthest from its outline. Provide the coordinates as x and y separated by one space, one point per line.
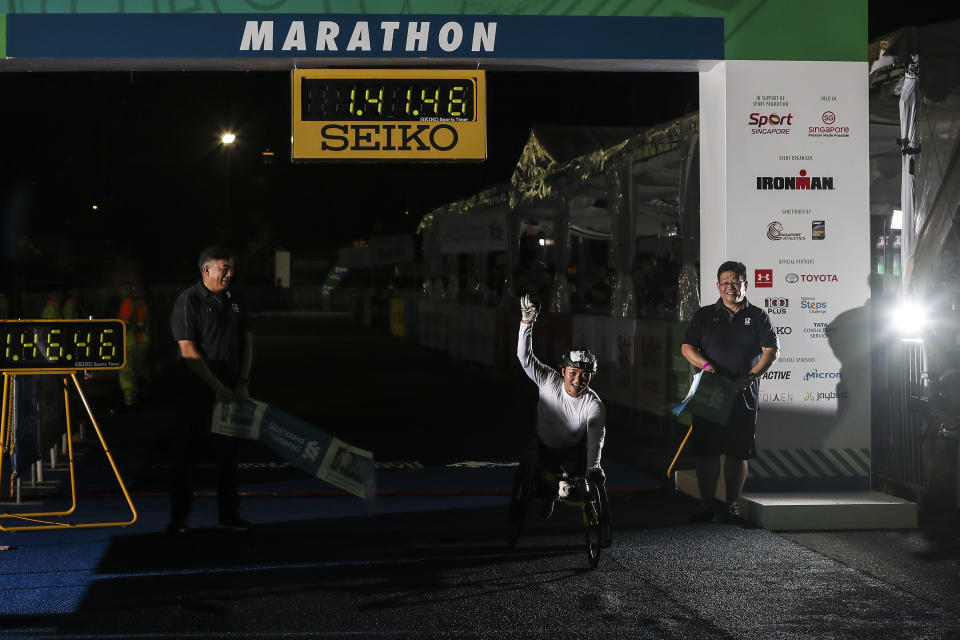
732 289
576 381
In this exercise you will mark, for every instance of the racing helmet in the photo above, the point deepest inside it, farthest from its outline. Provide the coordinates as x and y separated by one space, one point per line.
579 358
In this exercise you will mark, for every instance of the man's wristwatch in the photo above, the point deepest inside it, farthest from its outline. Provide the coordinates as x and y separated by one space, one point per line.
753 376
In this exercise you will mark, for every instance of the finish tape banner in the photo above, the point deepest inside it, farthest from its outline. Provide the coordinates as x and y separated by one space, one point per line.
303 445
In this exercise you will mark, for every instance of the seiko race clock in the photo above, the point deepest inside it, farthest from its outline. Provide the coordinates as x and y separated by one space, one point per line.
61 345
389 114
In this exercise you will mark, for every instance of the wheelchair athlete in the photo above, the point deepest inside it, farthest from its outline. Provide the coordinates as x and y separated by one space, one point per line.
571 417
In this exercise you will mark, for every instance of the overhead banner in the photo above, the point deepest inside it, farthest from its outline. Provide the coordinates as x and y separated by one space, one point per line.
796 211
330 35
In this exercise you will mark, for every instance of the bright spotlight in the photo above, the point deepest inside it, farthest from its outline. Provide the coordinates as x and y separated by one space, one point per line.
896 222
228 138
909 319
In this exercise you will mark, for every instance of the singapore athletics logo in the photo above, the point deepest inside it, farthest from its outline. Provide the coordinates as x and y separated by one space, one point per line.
775 232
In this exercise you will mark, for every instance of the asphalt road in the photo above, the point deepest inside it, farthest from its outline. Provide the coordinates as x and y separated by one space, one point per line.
432 561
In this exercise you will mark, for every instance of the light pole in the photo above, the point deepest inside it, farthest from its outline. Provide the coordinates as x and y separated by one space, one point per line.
227 140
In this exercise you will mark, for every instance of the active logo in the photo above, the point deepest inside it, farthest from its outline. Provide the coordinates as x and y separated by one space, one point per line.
829 128
763 278
776 306
803 182
775 232
773 123
777 375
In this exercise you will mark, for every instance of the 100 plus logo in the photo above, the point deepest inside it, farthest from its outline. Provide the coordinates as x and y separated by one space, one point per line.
776 306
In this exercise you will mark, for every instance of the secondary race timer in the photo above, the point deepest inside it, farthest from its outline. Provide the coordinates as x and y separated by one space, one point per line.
61 345
389 114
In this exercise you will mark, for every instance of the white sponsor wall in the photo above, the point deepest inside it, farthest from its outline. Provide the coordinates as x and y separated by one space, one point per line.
786 191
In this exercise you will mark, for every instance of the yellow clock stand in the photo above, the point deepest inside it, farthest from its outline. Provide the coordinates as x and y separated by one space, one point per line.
54 519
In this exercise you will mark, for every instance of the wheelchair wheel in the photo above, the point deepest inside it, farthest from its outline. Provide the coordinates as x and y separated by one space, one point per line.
593 518
606 522
519 503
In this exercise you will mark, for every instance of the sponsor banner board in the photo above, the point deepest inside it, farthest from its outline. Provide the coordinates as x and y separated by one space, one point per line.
794 156
305 446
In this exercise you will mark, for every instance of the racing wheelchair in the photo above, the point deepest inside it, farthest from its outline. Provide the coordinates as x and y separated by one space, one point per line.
533 481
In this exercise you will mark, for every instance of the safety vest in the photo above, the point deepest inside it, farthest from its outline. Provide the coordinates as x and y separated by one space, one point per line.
51 310
133 312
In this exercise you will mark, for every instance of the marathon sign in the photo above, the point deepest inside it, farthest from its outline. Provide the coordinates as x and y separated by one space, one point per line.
190 32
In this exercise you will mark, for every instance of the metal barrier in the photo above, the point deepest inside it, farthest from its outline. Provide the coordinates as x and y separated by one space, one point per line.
900 427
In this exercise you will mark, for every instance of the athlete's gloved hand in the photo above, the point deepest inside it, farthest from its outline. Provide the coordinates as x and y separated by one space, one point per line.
528 311
596 475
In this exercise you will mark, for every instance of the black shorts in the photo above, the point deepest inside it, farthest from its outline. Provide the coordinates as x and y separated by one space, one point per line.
572 460
736 438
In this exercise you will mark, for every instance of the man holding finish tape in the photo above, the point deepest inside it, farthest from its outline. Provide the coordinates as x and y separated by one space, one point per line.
734 339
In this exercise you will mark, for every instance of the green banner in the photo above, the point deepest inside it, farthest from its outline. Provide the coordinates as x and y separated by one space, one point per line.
753 29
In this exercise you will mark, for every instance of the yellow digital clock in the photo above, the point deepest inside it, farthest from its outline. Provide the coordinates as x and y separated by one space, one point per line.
44 346
389 114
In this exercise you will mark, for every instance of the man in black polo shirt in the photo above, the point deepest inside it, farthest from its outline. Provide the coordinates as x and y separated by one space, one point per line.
734 339
215 350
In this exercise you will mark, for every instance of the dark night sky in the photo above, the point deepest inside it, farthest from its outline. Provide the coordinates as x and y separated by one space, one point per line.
144 147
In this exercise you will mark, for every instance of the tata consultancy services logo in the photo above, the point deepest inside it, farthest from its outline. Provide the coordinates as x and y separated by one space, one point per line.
829 129
775 123
763 278
776 306
775 232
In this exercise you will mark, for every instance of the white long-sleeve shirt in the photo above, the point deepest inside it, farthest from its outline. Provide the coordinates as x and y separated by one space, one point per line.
562 419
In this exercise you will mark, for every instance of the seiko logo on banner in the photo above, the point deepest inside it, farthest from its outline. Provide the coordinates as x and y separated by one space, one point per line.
388 137
803 182
776 306
829 129
775 123
784 331
328 35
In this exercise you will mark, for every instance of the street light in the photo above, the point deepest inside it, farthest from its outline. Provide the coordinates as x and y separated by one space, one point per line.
227 140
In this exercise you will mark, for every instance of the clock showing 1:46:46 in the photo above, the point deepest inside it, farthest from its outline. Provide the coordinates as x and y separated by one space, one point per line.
61 345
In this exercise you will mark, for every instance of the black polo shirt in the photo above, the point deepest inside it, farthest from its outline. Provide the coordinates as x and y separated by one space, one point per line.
217 323
733 343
